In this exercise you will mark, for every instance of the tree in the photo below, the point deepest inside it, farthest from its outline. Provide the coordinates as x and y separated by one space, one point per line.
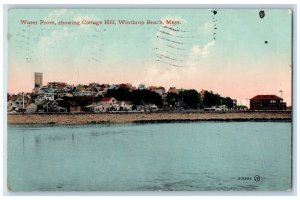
191 98
211 99
172 98
146 96
121 94
83 100
79 87
137 97
227 101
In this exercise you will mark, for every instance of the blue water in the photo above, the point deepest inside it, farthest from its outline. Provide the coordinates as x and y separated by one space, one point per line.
196 156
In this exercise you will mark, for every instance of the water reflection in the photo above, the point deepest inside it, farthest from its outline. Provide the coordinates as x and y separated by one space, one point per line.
55 138
38 140
169 157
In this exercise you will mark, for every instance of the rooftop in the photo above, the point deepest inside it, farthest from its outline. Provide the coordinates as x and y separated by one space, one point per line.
262 97
105 99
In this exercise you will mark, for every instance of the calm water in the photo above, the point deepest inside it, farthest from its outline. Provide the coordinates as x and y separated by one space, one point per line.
197 156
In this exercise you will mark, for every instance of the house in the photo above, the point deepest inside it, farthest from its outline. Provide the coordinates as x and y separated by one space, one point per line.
45 89
18 102
57 85
124 105
44 96
146 107
173 90
69 88
90 108
267 102
49 96
31 108
108 103
159 90
82 93
99 108
216 108
95 108
11 105
23 99
108 100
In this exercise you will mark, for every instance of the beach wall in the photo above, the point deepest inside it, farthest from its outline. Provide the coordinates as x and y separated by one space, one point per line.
89 118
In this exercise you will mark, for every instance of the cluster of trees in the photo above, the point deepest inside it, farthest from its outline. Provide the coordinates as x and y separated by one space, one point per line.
187 99
137 97
211 99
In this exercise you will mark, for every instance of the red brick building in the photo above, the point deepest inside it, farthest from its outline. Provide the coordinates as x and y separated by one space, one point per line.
267 102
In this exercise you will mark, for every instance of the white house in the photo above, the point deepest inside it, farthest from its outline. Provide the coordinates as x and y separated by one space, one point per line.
217 108
147 107
11 106
95 108
124 105
31 108
49 96
108 103
18 102
105 104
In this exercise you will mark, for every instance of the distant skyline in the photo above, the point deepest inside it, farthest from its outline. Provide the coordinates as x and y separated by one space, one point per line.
233 52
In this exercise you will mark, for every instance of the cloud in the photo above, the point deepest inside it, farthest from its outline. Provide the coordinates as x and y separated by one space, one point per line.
202 51
206 27
85 17
159 74
56 13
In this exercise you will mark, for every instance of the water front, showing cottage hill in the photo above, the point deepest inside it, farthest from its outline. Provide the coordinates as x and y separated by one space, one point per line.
61 97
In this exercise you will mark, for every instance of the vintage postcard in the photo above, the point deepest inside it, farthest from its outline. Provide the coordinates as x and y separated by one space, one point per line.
149 99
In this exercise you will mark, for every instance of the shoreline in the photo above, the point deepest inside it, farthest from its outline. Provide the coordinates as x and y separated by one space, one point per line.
155 117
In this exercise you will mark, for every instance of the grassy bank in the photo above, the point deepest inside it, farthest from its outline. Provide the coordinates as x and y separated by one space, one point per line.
90 118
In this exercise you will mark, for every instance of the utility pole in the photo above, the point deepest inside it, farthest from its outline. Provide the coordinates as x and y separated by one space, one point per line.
23 99
280 93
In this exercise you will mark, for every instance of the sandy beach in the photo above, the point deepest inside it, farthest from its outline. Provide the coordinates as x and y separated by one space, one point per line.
90 118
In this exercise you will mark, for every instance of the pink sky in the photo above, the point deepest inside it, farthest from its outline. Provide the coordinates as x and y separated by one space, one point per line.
236 83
